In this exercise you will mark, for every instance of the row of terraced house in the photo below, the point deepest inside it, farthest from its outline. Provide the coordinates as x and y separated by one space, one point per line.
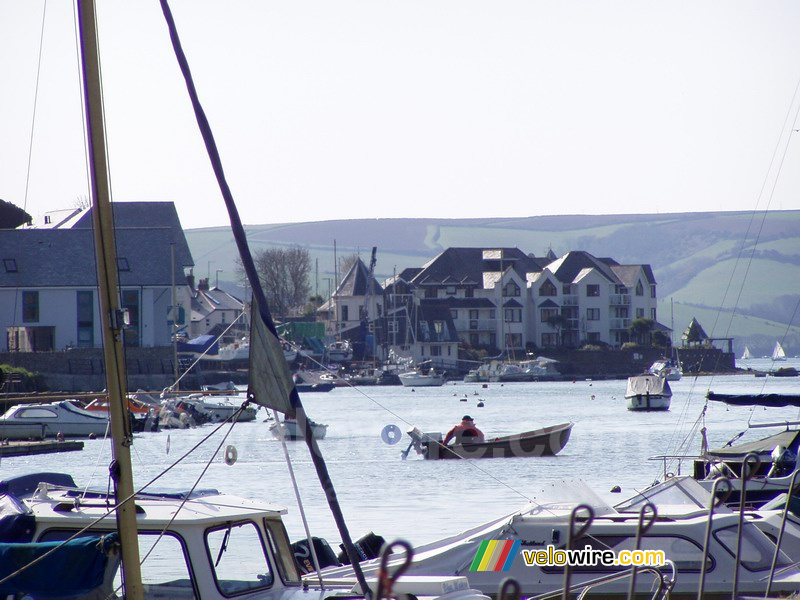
499 299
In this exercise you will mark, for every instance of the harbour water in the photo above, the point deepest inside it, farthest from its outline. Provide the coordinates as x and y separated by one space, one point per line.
420 500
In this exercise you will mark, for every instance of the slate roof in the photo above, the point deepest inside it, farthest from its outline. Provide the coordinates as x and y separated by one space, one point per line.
461 302
354 282
428 313
629 274
568 267
66 257
466 266
549 304
147 215
204 302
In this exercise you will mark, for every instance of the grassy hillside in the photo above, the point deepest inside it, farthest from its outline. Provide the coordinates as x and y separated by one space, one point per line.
696 257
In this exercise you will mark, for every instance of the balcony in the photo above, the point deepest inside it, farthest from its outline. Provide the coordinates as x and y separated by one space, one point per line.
620 323
571 300
619 300
480 325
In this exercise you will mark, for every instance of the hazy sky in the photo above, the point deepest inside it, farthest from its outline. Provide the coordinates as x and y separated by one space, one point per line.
436 108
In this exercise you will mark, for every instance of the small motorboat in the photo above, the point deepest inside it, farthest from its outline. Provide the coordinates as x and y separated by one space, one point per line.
648 392
290 430
417 378
547 441
49 419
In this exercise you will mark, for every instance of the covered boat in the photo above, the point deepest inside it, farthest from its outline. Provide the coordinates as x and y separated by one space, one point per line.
648 392
547 441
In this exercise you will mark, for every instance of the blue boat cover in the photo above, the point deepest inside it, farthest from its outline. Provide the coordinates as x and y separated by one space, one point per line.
17 524
76 568
200 344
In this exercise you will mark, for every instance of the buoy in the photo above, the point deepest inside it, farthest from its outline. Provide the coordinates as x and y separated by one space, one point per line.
231 455
480 404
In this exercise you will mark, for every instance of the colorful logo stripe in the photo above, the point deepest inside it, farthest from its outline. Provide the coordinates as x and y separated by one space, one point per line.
495 555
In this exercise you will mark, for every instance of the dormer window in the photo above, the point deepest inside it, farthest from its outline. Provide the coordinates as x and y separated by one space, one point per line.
639 288
10 265
122 264
511 289
548 289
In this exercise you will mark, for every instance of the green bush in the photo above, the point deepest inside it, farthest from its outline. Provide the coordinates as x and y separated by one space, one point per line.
31 382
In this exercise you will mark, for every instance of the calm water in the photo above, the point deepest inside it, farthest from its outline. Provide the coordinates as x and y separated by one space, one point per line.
422 500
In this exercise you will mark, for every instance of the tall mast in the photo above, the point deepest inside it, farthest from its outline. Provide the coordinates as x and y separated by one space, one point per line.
111 315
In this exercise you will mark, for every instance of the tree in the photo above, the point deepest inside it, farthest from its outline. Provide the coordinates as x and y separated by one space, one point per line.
12 216
557 322
345 263
640 329
284 273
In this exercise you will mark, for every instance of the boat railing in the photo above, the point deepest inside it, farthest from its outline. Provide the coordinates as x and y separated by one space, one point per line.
665 582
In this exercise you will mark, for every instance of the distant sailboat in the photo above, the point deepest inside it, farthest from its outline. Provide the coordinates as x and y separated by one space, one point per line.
778 353
746 355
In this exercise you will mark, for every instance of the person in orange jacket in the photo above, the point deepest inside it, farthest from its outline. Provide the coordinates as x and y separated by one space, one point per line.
465 429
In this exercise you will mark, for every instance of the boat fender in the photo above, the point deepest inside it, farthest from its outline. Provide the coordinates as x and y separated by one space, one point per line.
391 434
231 455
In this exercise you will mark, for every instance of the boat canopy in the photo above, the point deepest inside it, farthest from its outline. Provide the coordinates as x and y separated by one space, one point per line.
787 439
642 385
770 400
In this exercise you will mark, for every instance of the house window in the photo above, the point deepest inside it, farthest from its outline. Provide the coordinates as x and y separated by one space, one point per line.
222 316
393 327
451 290
345 312
592 289
431 292
620 289
453 314
566 289
436 350
30 307
468 292
85 319
10 265
438 327
132 333
548 313
122 264
514 340
639 288
639 313
549 339
513 315
491 314
653 314
548 289
473 314
592 314
621 312
511 289
652 291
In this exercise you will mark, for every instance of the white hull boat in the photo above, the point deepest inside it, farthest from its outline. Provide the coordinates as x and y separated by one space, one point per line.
419 379
290 430
39 421
648 392
677 531
209 545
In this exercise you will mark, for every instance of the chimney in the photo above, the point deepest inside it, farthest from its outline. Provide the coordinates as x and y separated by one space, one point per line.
203 284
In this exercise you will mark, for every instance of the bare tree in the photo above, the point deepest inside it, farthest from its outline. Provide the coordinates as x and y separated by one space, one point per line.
345 263
284 273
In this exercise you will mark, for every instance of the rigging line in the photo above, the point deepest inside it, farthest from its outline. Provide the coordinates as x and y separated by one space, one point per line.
111 510
199 358
400 418
35 102
300 506
755 211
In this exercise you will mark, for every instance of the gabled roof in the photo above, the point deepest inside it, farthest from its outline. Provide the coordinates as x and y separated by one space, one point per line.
512 303
694 332
147 215
355 281
204 302
467 266
569 267
549 304
629 274
66 257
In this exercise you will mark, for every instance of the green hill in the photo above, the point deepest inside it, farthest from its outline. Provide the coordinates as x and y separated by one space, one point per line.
746 263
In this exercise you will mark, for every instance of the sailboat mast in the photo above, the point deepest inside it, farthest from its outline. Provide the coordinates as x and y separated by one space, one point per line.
108 293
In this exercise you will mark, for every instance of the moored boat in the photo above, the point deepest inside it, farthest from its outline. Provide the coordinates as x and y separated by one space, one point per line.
648 392
290 430
50 419
417 378
547 441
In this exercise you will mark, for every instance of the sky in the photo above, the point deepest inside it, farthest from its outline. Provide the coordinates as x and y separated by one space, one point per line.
351 109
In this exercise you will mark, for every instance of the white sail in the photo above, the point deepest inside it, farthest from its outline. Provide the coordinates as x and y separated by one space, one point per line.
778 353
746 355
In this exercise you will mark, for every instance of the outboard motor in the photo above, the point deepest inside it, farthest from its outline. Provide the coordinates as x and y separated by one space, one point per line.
304 560
368 547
